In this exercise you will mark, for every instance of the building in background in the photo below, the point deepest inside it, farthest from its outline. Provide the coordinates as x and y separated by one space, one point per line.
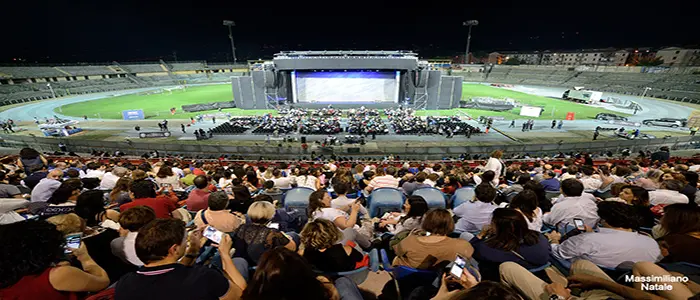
679 57
605 57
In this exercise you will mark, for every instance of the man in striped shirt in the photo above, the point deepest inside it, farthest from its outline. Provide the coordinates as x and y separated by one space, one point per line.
384 178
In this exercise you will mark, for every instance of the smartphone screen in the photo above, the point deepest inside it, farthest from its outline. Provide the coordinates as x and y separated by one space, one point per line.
165 184
503 205
458 267
213 234
274 225
579 225
73 242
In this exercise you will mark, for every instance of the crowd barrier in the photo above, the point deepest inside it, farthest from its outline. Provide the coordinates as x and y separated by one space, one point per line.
295 151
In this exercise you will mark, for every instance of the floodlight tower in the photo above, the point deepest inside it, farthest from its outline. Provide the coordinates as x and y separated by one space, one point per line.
469 23
230 24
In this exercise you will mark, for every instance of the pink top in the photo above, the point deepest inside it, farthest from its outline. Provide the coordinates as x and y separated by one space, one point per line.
222 220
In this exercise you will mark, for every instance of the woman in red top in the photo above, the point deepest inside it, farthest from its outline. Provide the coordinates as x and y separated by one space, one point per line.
30 257
451 185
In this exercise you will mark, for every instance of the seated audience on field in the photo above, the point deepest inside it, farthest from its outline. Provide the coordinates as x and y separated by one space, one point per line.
573 204
615 244
668 193
476 213
130 222
432 248
526 203
38 268
508 238
322 250
217 215
168 253
143 193
253 238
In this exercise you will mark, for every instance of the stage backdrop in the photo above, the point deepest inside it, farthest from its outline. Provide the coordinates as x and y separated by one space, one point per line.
346 87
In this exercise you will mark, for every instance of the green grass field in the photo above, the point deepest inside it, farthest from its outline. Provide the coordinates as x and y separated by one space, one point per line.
157 106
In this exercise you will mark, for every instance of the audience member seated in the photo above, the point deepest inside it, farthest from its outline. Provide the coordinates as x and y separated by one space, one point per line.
252 239
284 274
166 177
94 170
526 203
342 202
42 191
197 199
383 178
638 197
161 245
691 187
543 202
416 182
90 207
143 193
188 179
29 158
591 182
573 204
37 269
130 222
109 180
668 193
321 249
616 244
62 200
272 191
217 215
508 238
320 208
517 187
120 193
476 213
681 224
413 210
241 196
280 181
38 172
550 182
486 177
432 249
450 184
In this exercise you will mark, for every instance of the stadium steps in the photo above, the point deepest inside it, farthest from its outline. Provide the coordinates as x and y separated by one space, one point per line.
62 71
115 70
572 77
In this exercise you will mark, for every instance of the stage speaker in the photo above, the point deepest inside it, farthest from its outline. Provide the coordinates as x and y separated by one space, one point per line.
353 150
420 78
281 79
303 140
270 79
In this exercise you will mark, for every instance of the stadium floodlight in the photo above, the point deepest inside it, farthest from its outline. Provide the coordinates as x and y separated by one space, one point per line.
469 23
229 24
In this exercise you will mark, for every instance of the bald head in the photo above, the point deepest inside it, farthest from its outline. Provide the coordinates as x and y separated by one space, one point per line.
61 165
55 174
186 171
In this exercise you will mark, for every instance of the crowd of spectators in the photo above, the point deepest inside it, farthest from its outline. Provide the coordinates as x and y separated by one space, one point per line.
140 227
404 121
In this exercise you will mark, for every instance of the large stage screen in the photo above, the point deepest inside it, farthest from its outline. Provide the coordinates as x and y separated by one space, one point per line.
345 87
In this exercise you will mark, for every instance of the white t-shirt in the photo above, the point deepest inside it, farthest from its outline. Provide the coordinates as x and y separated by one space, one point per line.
536 223
307 181
329 214
282 182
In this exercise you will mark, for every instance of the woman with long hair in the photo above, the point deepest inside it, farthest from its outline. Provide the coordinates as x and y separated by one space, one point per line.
681 228
508 238
166 177
305 179
638 197
526 203
31 256
413 210
451 184
342 174
120 193
320 208
542 201
28 158
652 180
284 275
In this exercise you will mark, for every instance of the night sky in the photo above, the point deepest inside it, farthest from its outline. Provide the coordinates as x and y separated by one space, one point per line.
145 30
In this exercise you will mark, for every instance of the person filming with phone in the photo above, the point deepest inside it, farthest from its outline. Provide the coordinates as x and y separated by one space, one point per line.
39 270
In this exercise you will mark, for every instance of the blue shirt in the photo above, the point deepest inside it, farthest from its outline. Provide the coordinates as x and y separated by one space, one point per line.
489 258
551 184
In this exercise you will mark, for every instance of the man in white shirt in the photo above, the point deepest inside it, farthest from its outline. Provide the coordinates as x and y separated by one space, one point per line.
574 204
383 179
95 170
131 221
615 245
46 186
109 180
476 213
668 193
281 182
571 172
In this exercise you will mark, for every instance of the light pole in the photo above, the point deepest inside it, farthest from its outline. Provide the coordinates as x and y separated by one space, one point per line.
230 24
469 23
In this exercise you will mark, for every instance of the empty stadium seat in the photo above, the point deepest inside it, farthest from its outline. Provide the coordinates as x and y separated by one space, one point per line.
434 197
383 200
297 198
462 195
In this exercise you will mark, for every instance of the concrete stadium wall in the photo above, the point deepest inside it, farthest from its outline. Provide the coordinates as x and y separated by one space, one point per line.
152 74
139 146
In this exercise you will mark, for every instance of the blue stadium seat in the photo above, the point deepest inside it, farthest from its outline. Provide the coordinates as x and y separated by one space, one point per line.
462 195
402 273
358 275
383 200
434 197
297 198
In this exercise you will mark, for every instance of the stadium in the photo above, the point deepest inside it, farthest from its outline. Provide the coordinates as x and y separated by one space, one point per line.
97 97
282 171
